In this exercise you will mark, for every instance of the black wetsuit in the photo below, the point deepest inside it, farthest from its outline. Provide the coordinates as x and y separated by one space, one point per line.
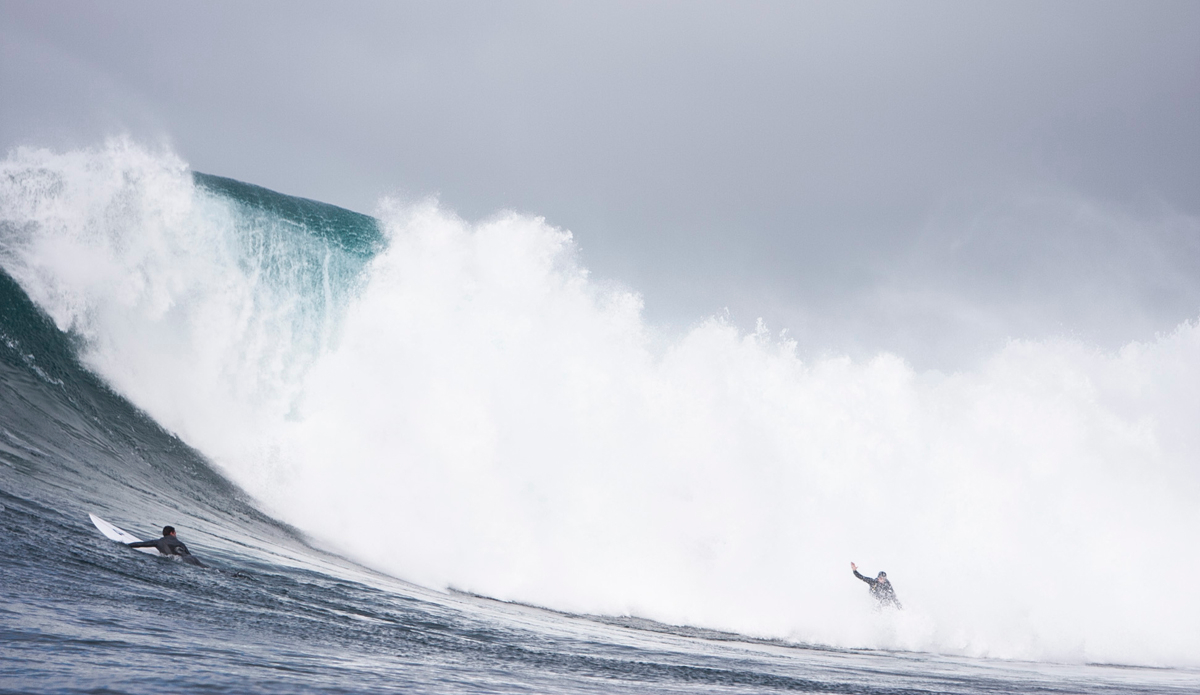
882 590
169 545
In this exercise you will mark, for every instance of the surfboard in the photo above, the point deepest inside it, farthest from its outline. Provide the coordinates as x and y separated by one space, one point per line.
119 535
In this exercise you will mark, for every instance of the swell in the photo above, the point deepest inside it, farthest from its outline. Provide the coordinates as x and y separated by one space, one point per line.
72 445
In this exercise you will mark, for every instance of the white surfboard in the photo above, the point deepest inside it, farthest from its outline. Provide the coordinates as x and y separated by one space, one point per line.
119 535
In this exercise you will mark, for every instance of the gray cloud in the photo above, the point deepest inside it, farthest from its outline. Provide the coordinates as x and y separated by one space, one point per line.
818 164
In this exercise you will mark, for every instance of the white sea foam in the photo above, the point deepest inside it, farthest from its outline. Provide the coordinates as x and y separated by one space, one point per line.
482 414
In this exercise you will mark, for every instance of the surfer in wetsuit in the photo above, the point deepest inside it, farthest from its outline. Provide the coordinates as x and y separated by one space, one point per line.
169 544
881 588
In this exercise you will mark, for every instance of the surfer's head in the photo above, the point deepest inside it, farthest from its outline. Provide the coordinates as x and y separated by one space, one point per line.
168 530
882 576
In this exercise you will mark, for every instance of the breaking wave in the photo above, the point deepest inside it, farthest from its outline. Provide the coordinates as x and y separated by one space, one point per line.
460 404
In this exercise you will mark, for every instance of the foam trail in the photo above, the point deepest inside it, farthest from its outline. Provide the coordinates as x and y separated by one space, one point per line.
470 408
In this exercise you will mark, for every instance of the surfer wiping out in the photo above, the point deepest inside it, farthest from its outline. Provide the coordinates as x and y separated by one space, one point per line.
881 588
169 544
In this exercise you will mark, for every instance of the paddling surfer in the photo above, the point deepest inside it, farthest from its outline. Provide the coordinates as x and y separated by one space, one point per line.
169 544
881 588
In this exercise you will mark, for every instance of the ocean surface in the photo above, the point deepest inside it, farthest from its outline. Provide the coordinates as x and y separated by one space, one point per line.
424 455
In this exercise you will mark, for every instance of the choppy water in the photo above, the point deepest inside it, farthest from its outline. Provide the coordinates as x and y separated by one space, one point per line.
278 612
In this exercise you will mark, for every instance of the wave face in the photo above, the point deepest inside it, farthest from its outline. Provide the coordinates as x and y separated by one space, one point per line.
460 404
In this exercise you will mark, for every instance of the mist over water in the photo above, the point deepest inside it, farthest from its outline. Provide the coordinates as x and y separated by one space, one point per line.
461 404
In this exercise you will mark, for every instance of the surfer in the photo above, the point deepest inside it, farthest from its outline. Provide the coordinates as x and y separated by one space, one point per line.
169 544
881 588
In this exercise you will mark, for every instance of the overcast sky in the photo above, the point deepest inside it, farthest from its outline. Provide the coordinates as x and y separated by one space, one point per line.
930 178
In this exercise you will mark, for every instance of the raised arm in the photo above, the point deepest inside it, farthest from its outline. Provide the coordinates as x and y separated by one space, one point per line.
854 568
